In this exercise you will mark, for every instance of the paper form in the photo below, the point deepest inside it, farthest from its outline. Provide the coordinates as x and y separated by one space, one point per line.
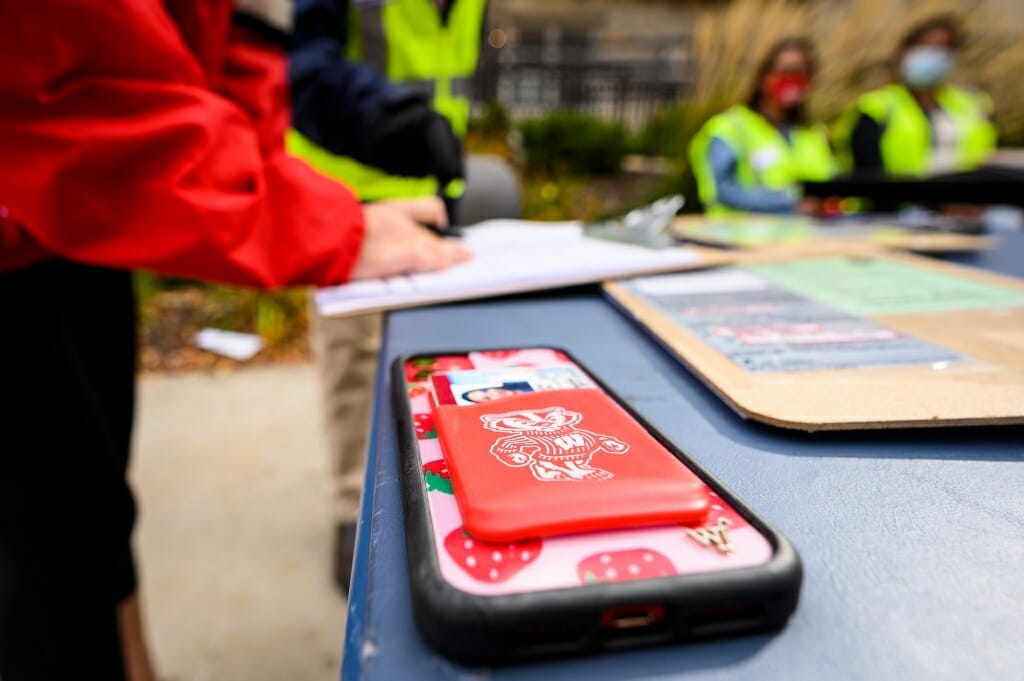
509 256
864 286
762 326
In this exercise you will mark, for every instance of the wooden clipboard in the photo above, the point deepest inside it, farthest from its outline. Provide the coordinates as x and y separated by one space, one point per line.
787 234
984 387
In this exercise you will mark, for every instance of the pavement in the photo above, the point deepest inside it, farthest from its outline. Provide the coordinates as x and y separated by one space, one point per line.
234 533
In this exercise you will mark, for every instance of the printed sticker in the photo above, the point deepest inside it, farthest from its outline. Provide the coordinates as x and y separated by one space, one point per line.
548 442
716 536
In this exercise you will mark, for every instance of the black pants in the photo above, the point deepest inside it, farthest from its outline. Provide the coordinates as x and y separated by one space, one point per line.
67 383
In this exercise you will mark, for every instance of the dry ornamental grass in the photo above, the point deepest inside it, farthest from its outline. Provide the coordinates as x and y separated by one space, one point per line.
855 40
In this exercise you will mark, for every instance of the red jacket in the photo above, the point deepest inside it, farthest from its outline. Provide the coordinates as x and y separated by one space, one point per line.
150 134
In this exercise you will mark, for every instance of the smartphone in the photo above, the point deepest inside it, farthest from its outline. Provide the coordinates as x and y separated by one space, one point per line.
483 602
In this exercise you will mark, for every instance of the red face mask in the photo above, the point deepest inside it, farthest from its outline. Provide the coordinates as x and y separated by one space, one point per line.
788 89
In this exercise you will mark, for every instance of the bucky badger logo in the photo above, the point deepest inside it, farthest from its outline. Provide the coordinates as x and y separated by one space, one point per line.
548 442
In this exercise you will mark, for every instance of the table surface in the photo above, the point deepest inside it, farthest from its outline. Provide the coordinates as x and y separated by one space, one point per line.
912 541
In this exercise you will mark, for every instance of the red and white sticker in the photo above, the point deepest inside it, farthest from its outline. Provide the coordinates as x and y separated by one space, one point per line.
803 334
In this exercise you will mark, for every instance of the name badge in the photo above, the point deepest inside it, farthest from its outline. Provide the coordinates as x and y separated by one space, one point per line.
765 158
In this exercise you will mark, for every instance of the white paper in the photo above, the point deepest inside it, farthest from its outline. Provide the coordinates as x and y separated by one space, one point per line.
510 256
238 346
715 281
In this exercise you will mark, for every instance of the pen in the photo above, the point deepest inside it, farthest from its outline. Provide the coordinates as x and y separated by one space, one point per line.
447 230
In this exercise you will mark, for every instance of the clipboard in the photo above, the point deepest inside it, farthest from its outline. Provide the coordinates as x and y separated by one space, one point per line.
793 233
514 256
789 342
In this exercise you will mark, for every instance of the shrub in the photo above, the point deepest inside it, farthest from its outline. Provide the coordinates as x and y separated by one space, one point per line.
493 121
569 142
663 135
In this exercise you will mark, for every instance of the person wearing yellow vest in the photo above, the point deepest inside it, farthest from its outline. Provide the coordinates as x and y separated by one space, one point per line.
919 124
753 157
380 102
402 141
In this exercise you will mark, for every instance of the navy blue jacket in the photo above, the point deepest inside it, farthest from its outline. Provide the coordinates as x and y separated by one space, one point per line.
335 101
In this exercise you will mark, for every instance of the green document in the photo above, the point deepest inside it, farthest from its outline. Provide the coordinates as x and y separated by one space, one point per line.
864 286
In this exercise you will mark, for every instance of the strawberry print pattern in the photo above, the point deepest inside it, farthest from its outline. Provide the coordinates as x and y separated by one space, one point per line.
435 474
620 566
498 354
492 563
424 424
422 368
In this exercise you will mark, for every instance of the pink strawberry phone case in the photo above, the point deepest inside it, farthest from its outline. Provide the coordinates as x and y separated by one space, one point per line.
488 602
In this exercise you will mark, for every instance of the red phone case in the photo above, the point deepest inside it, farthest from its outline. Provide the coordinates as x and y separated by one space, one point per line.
561 462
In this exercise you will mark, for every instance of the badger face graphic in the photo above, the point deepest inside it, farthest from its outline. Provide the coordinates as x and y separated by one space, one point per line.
547 441
531 420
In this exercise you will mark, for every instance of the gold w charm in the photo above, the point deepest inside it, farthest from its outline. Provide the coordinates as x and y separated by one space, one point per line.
716 535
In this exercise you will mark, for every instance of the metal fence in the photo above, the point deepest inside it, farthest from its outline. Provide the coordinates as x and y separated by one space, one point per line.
548 70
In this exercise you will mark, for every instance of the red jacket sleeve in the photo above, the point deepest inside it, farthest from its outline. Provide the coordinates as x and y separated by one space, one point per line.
119 147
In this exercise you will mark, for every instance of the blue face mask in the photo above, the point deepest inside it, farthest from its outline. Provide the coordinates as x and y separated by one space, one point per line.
925 67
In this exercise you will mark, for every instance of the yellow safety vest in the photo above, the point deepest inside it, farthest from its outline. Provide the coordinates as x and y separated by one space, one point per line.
765 158
408 42
906 144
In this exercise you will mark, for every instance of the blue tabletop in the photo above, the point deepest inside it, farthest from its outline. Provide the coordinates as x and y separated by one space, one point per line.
912 541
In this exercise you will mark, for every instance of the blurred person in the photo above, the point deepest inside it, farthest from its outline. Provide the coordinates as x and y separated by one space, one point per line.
135 133
753 157
920 123
380 93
